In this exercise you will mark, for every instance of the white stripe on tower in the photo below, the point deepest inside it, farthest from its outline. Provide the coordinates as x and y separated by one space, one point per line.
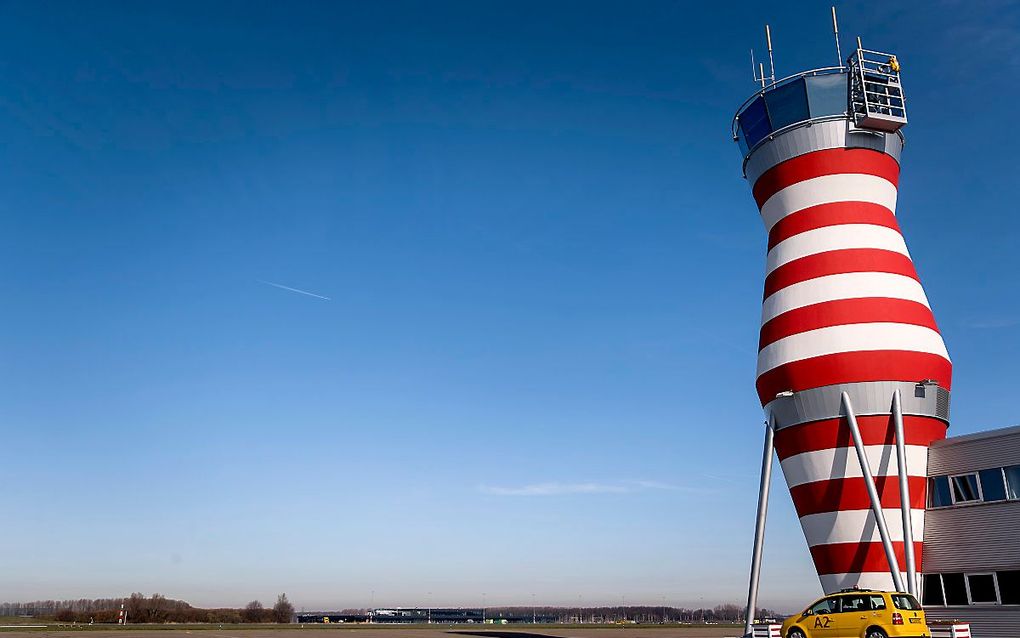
841 463
829 238
868 580
850 338
854 285
828 189
857 526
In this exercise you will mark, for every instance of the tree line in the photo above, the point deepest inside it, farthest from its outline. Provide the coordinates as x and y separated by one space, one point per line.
148 609
159 609
645 614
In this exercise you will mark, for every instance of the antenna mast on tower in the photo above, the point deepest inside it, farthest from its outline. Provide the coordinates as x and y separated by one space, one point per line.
835 32
759 73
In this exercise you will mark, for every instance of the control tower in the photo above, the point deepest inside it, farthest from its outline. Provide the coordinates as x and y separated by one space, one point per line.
853 374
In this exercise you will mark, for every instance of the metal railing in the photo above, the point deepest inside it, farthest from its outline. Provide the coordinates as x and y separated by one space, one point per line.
875 88
828 70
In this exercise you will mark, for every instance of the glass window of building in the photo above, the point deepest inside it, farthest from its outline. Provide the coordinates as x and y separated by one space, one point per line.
981 589
938 492
1009 587
965 488
955 588
787 104
754 123
1012 481
993 487
826 94
933 590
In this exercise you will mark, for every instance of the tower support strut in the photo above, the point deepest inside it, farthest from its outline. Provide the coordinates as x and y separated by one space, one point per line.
759 524
869 482
901 462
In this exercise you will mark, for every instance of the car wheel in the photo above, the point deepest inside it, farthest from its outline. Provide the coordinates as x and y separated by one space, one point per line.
797 633
875 632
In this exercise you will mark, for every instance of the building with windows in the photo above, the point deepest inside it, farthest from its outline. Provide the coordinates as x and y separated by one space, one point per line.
971 561
330 617
436 615
430 615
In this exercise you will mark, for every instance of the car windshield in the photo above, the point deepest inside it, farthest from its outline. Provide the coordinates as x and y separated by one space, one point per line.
826 606
905 601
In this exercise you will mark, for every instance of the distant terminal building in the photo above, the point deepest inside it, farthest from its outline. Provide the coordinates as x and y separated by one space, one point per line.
424 615
971 566
328 617
438 615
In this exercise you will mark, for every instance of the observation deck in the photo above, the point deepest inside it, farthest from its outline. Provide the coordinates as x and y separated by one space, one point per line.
866 93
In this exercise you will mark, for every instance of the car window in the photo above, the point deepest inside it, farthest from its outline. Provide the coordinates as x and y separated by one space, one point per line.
856 602
877 602
826 606
905 601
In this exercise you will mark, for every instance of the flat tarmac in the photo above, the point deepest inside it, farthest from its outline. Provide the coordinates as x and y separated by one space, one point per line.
391 632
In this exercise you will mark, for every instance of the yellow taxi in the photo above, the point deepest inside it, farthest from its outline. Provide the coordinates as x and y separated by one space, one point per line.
860 613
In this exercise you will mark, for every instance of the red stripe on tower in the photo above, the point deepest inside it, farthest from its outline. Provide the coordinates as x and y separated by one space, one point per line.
838 262
875 430
851 494
834 161
855 367
843 558
831 214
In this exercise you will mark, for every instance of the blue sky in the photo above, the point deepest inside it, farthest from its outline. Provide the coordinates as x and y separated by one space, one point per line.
534 373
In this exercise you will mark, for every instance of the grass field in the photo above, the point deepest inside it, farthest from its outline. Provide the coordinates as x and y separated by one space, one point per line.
21 620
376 631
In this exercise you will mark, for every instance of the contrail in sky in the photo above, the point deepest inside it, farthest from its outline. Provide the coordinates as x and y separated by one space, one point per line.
297 290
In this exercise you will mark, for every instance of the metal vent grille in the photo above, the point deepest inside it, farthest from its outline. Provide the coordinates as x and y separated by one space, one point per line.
942 403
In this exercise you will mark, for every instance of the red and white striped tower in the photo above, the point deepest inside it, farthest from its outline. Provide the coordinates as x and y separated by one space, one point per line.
849 351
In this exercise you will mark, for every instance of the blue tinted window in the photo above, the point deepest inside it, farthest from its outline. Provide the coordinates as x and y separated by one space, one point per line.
754 122
993 488
826 94
965 488
787 104
939 488
1013 481
741 142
